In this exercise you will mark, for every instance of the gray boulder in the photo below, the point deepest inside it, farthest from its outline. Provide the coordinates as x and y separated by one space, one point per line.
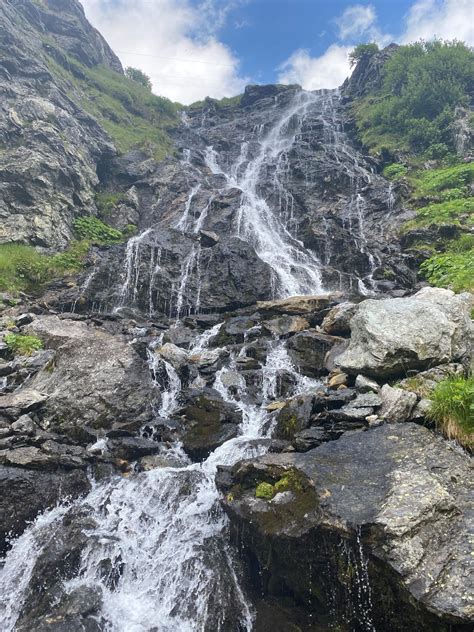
372 527
397 404
337 321
392 336
97 380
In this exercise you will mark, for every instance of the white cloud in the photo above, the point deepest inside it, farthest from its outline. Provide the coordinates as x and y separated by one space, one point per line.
449 19
355 21
426 19
327 71
173 42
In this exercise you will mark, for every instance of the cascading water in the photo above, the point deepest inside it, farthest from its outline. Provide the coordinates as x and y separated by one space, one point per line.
296 270
164 529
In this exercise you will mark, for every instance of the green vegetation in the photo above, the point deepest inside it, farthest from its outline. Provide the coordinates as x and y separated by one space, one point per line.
25 269
106 201
453 268
395 171
225 101
445 183
264 490
409 120
452 408
413 111
132 115
363 52
20 344
135 74
94 230
290 481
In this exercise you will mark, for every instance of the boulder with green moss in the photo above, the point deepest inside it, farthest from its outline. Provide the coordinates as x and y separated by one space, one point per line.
367 532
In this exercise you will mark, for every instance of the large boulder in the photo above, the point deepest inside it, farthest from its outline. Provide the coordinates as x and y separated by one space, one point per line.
97 380
392 336
366 532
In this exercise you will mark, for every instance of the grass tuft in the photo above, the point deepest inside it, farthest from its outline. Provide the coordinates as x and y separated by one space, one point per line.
452 409
20 344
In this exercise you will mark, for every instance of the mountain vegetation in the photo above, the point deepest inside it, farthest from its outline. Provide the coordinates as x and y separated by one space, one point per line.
416 121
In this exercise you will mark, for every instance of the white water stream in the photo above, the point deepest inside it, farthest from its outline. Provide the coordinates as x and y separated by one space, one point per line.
163 528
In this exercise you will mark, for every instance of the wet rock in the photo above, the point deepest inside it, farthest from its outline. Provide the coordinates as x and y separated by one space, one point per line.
179 336
131 448
388 505
24 493
308 351
209 238
236 330
316 435
294 416
58 560
337 321
397 404
209 422
76 611
174 355
391 336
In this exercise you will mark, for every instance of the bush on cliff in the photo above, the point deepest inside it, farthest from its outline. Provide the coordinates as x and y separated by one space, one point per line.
423 83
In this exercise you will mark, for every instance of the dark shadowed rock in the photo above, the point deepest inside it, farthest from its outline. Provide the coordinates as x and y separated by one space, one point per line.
308 351
25 493
209 422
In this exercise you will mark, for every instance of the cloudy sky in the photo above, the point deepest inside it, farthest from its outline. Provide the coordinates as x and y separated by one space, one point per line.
197 48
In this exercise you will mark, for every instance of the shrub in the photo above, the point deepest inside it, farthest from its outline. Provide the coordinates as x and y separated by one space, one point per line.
22 267
452 408
106 202
422 85
135 74
19 344
453 268
126 109
395 171
363 51
96 231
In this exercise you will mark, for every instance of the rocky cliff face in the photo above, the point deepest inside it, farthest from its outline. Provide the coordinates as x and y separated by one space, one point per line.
49 146
272 184
244 335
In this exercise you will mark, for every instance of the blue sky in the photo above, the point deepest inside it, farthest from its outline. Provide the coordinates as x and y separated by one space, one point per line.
265 33
197 48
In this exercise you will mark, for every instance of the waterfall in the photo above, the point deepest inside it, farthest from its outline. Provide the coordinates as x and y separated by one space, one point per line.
296 270
164 529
